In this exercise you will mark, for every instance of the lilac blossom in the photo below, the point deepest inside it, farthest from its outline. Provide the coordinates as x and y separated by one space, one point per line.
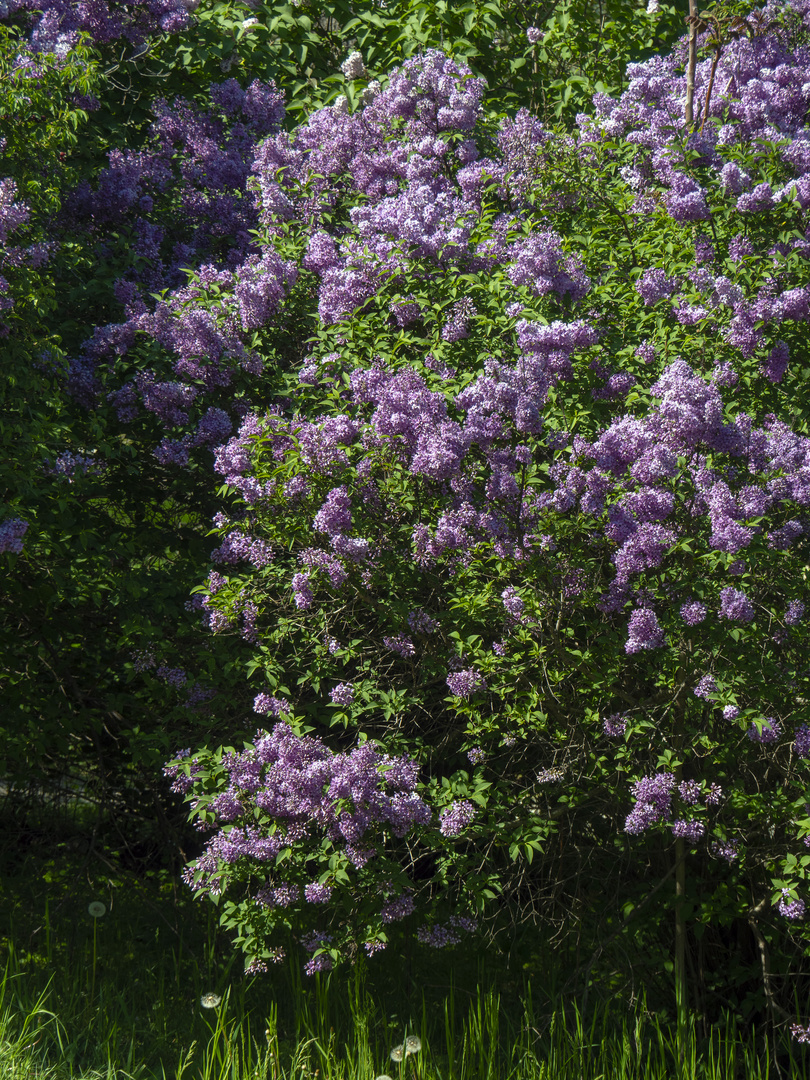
265 704
396 908
735 605
315 893
512 602
705 688
455 818
307 789
690 829
767 731
801 741
464 683
12 533
615 725
653 795
689 791
794 613
401 644
693 613
792 908
725 849
342 694
713 795
643 631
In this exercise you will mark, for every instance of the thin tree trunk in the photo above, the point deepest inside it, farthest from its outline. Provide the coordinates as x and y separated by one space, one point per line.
681 1002
691 64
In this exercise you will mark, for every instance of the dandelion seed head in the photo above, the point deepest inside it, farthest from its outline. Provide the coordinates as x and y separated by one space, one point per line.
210 1000
96 909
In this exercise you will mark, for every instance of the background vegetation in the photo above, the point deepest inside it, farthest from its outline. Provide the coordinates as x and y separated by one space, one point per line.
106 670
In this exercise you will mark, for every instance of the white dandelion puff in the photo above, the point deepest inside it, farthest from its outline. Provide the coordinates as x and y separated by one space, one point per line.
210 1000
96 909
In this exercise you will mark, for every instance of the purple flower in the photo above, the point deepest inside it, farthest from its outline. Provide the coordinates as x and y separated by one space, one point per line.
512 602
420 622
465 683
768 733
714 793
401 644
689 792
790 908
264 703
342 694
615 725
398 907
475 755
688 829
323 962
335 516
654 285
801 741
725 849
643 631
735 605
316 893
455 818
653 796
693 613
302 593
705 688
12 531
534 35
776 364
794 612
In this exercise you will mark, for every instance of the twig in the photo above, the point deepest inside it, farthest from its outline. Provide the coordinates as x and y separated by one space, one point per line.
715 62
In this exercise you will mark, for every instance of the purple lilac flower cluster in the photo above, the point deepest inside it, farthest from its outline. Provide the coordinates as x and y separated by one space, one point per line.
615 725
706 688
464 684
653 795
725 849
60 22
12 534
309 792
792 907
396 908
455 818
690 829
443 935
766 731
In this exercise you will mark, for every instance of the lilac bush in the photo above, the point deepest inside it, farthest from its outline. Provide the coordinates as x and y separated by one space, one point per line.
566 449
510 430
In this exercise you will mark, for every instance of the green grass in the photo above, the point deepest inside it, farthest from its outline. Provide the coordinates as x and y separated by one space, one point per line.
469 1045
119 998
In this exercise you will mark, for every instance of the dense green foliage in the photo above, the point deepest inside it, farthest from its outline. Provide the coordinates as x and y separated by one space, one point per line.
185 289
